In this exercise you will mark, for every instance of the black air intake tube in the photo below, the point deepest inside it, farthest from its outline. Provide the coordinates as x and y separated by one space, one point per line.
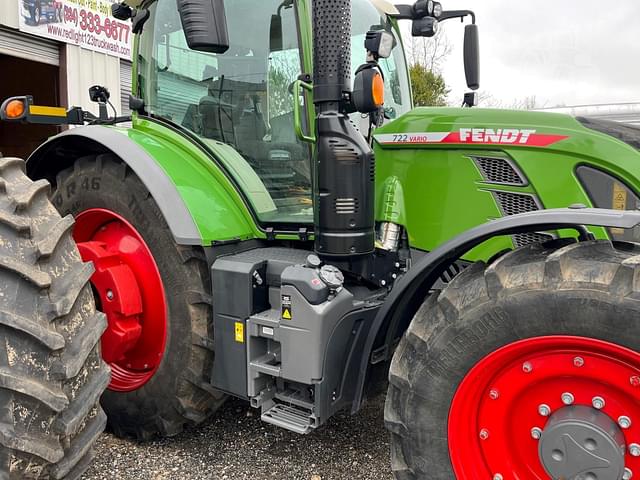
344 167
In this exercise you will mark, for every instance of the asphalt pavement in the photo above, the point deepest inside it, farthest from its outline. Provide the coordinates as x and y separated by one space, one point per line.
235 445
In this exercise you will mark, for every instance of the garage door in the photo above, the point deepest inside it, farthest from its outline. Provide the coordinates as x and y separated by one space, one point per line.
18 44
125 86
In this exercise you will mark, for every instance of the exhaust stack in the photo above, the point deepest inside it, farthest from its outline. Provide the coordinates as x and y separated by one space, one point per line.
343 165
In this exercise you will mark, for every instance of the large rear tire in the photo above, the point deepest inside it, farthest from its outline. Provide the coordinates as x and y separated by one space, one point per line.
51 373
177 390
544 326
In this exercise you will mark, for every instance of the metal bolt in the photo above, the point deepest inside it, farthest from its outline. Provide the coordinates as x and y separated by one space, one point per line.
497 476
393 275
484 434
544 410
527 367
627 474
536 433
567 398
110 294
397 264
383 282
625 422
578 361
634 380
494 394
634 450
598 403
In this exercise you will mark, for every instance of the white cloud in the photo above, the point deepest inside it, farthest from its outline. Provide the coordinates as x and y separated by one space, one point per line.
562 52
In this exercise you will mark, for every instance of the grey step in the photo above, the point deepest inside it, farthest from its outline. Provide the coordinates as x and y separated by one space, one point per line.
292 418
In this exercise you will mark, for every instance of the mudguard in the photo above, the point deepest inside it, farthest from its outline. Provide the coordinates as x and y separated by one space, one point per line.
199 211
410 290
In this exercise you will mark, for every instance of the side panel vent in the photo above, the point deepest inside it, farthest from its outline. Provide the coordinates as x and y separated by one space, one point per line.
522 239
515 203
500 171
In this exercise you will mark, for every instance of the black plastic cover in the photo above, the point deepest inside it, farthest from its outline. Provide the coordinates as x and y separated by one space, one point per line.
627 133
205 25
472 56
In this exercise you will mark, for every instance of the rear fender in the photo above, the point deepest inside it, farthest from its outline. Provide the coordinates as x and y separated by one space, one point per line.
199 211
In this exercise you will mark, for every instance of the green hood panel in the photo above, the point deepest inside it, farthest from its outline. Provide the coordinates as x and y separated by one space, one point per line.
433 153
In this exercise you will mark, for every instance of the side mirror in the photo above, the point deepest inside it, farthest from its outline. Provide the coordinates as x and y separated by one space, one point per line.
424 27
472 56
275 34
205 25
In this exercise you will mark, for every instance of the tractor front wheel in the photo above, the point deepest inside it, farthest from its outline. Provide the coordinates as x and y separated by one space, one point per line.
528 368
156 295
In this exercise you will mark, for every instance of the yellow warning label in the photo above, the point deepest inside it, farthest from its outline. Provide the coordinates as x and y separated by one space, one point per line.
619 196
619 202
286 313
239 332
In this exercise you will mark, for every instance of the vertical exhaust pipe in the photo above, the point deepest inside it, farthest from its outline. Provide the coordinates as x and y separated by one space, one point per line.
343 164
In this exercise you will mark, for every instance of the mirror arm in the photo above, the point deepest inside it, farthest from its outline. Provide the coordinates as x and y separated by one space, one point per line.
405 12
447 15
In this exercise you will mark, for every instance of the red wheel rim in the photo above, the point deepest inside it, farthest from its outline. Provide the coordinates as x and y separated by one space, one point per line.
497 405
129 290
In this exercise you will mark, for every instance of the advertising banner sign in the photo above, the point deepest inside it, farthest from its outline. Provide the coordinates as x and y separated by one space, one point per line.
87 23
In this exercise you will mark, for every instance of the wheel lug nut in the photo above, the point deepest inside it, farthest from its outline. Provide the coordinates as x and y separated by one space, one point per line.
578 361
527 367
494 394
634 380
627 474
536 433
634 450
544 410
110 294
484 434
625 422
567 398
598 402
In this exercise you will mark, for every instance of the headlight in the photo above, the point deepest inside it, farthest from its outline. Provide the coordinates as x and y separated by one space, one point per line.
437 9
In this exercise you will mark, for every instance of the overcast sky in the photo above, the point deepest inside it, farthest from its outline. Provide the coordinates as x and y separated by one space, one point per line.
563 52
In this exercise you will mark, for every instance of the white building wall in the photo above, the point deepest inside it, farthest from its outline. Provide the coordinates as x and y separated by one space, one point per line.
86 68
9 11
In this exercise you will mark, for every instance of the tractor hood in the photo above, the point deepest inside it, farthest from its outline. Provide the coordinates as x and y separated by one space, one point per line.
479 164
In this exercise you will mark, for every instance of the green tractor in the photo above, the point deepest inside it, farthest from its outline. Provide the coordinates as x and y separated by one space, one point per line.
266 229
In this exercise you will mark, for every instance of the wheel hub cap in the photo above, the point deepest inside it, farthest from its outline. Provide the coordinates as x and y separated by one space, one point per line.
582 442
128 289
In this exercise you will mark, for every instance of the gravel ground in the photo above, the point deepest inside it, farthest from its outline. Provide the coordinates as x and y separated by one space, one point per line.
236 445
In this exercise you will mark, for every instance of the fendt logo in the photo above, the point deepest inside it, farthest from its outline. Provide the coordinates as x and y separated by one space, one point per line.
485 136
489 135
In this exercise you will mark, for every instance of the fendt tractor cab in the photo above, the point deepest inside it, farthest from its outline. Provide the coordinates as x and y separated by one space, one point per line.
267 228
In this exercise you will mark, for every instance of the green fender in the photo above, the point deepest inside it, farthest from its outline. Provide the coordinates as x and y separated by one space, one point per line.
200 203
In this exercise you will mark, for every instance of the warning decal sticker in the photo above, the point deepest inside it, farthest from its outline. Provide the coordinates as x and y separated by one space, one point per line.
287 314
239 332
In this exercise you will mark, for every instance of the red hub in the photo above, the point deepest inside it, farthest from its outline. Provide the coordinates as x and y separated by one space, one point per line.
503 405
128 289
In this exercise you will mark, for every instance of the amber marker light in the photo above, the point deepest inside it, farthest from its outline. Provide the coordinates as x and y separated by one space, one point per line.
377 90
14 109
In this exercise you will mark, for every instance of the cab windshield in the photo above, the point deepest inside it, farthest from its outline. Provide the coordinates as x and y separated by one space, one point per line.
240 103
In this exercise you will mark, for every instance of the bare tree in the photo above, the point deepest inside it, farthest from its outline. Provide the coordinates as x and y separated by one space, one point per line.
530 102
429 52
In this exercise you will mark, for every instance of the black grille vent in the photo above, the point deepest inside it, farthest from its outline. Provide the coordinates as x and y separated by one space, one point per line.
346 206
522 239
499 170
514 203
